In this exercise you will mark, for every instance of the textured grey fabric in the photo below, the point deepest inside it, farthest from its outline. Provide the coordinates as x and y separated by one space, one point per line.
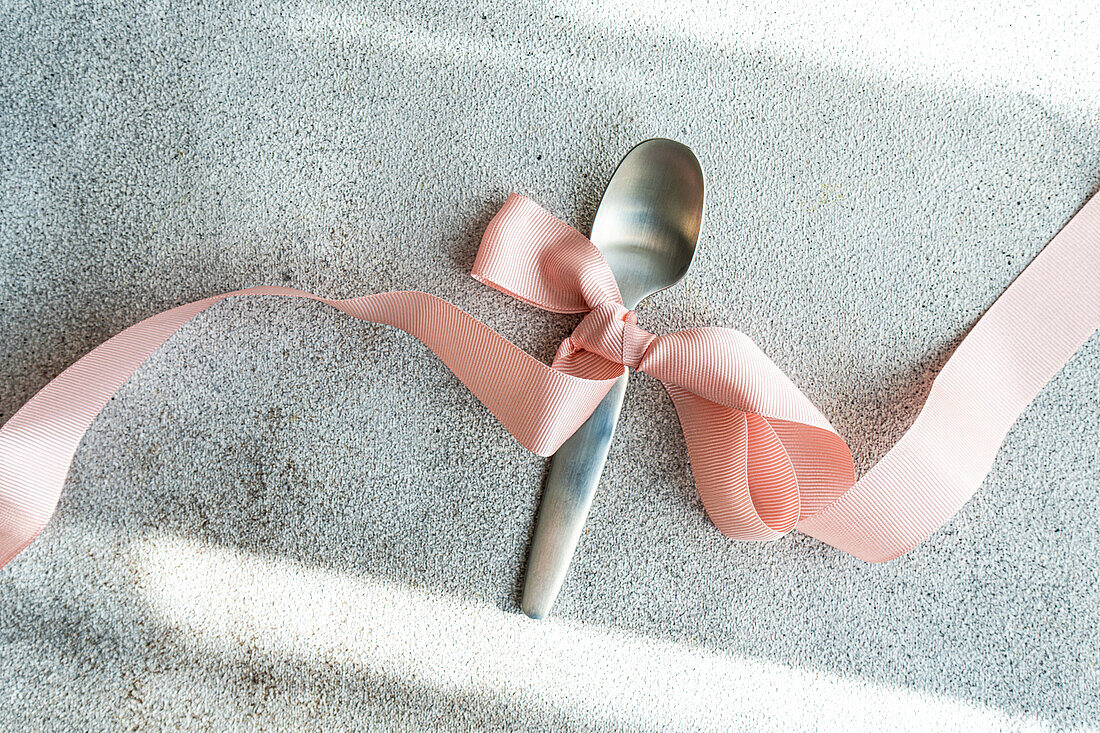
288 519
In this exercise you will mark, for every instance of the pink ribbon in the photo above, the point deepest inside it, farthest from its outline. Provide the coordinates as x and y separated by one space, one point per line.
766 461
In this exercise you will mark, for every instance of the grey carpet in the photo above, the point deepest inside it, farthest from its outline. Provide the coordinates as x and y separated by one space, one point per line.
292 520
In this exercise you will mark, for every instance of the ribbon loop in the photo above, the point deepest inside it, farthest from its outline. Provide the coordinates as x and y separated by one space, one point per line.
530 254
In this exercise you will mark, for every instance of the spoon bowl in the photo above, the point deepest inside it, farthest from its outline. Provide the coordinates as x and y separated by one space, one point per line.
649 217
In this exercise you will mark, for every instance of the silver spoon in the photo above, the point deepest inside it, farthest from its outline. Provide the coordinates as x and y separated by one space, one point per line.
646 227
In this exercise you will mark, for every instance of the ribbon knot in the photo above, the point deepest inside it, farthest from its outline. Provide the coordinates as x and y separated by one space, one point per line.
611 332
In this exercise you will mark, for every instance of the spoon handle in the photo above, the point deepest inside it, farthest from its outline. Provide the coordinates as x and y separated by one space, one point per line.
574 473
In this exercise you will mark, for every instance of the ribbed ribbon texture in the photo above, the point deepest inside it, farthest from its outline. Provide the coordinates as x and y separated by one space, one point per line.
765 460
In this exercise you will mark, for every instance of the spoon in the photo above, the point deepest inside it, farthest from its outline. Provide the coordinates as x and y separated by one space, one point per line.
646 227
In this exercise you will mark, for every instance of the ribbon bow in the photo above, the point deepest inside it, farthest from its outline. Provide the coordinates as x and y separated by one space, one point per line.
765 459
